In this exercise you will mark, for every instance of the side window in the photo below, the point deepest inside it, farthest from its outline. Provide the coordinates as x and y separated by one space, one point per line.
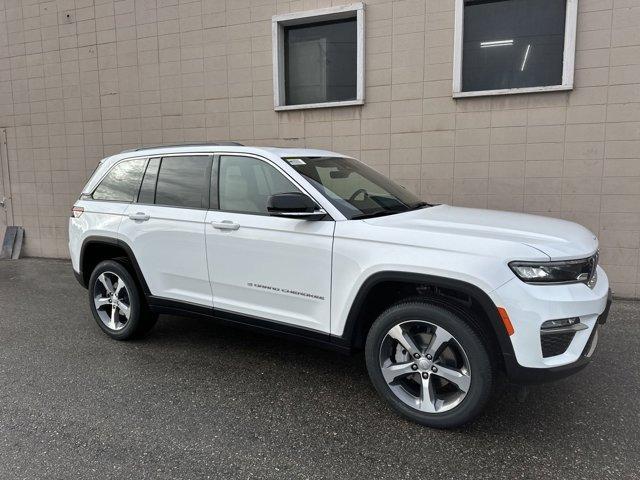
184 181
148 188
122 183
246 184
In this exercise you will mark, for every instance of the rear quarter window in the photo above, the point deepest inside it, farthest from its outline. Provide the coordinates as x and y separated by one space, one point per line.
122 182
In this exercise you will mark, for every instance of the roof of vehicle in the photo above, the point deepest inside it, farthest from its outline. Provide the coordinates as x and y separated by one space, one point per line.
226 147
220 147
191 144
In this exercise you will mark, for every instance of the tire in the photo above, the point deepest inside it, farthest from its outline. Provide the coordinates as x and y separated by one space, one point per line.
418 388
132 319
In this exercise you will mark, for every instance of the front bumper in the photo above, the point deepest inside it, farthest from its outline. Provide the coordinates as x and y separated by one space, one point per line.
529 306
524 375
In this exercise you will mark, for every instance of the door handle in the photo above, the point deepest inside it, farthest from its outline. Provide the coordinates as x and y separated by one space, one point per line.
139 216
225 225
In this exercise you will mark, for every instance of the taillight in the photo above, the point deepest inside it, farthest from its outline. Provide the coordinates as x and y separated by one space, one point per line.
77 211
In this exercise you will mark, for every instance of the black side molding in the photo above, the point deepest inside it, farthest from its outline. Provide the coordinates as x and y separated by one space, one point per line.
271 327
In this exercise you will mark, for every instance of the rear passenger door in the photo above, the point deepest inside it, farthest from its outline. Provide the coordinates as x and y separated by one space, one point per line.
165 227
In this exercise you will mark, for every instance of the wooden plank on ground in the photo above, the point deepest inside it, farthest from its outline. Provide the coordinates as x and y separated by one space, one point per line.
8 242
17 244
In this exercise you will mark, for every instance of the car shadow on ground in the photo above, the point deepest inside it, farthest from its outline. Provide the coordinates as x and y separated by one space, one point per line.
511 405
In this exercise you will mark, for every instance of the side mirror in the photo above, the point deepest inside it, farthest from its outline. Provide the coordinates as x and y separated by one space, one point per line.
294 205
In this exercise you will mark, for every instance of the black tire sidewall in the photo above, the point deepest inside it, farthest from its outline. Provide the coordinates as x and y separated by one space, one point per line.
482 376
134 324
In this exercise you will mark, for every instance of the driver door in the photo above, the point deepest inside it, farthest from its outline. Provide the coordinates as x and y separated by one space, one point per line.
272 268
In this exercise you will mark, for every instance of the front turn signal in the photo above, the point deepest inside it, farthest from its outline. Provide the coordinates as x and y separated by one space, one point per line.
506 321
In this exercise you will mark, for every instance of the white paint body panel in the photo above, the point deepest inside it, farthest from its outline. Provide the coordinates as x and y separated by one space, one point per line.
99 219
455 227
170 250
307 274
292 257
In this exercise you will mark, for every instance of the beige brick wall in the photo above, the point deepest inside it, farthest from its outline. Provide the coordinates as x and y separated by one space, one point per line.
81 79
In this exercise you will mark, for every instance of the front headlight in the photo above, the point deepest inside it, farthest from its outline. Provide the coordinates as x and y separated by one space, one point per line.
569 271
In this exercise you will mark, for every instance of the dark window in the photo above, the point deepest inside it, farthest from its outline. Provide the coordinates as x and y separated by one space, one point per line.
512 44
184 181
122 183
320 62
246 184
148 187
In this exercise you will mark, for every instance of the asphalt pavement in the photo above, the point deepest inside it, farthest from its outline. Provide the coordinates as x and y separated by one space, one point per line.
197 400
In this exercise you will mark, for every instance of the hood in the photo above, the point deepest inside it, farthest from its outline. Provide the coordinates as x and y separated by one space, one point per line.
558 239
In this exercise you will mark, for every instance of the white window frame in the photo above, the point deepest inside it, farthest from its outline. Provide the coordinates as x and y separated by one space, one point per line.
278 22
568 60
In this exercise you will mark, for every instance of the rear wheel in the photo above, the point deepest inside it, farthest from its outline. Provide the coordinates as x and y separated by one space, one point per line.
116 304
429 364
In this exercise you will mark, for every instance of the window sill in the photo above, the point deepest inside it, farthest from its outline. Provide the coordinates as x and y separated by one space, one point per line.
307 106
513 91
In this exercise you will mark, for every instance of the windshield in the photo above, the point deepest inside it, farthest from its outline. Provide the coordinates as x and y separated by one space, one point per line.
355 189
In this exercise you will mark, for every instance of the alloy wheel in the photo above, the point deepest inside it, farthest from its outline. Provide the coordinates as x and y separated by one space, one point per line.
112 300
425 366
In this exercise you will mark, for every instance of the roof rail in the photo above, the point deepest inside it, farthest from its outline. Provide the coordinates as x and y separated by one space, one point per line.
188 144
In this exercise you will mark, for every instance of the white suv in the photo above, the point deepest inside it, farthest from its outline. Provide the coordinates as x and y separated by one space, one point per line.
319 247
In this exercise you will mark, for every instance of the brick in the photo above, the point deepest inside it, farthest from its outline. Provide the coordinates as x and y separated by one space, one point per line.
545 134
624 93
547 116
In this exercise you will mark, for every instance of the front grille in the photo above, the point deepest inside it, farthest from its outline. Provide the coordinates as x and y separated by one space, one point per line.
555 343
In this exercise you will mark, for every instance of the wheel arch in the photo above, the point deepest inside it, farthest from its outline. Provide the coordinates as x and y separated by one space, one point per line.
358 322
97 248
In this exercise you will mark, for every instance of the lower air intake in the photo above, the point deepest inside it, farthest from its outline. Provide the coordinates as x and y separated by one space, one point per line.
555 343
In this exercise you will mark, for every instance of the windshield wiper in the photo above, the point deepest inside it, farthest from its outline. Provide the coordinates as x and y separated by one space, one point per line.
420 205
378 213
382 213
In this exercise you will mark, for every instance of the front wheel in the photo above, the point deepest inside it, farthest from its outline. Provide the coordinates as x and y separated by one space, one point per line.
116 303
429 364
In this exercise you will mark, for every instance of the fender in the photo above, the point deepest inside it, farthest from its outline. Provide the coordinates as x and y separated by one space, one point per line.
473 291
100 239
